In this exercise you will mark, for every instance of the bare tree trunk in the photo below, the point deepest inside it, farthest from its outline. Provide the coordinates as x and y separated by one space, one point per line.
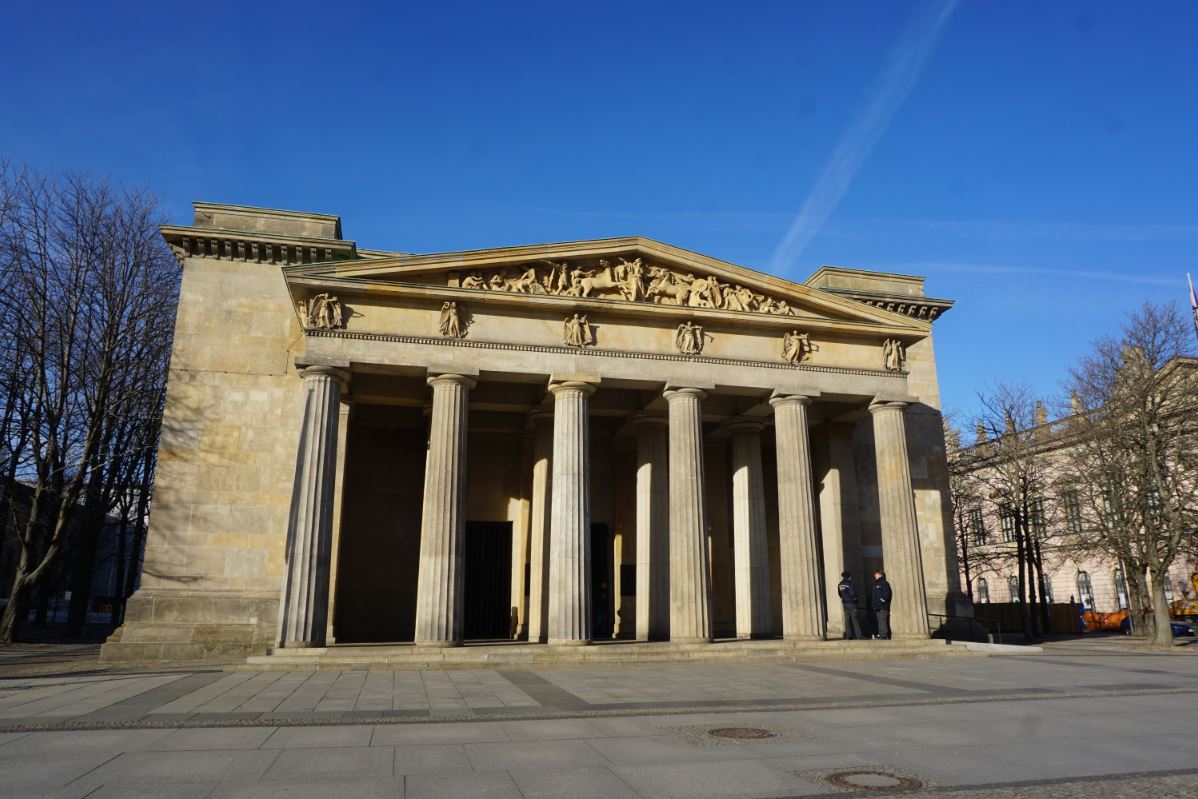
1163 634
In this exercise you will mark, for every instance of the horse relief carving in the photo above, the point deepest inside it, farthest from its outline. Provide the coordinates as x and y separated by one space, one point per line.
631 281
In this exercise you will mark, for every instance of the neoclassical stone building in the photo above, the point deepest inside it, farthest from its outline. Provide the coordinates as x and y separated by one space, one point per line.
560 443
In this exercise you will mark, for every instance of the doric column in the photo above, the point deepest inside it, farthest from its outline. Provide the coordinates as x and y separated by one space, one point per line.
538 538
754 618
439 586
652 529
304 607
690 577
570 516
802 602
900 533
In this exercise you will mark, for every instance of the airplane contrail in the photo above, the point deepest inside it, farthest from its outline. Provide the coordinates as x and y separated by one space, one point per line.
899 78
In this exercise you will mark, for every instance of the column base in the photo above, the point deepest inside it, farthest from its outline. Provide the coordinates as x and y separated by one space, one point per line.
301 645
437 644
697 640
570 642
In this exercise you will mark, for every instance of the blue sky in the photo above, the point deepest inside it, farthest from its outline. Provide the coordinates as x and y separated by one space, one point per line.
1036 161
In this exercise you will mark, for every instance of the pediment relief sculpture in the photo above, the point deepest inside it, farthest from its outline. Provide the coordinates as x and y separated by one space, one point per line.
631 281
893 355
577 332
322 312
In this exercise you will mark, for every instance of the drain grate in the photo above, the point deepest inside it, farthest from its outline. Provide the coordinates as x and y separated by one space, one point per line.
741 733
872 781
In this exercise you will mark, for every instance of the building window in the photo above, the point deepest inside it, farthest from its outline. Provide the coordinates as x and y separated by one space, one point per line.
977 526
983 590
1039 524
1120 589
1073 513
1085 590
1168 591
1007 517
1013 584
1046 589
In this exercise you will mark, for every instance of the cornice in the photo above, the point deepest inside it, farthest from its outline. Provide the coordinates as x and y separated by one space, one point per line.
252 246
925 309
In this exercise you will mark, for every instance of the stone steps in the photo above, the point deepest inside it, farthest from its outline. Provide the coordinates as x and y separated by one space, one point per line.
407 656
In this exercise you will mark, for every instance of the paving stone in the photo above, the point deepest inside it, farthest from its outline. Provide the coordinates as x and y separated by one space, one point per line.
24 769
464 732
552 729
114 741
200 766
361 761
177 790
213 738
493 785
435 757
592 782
728 778
515 754
312 789
319 737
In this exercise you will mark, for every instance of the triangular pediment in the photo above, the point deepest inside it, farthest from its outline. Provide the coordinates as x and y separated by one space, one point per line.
631 271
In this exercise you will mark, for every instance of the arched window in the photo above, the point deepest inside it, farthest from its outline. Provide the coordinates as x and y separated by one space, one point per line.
1085 590
983 590
1013 583
1120 589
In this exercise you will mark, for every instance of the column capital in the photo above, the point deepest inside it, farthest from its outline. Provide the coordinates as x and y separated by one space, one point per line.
744 425
783 399
540 415
566 386
879 405
678 392
446 378
645 419
318 370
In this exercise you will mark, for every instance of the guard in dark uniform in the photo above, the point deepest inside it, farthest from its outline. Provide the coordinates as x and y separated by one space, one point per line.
848 599
879 602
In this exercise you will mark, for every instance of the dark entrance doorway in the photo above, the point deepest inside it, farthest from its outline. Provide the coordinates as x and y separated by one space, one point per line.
601 581
487 580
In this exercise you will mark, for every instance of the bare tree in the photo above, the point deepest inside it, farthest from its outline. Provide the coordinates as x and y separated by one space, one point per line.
1013 468
89 296
1133 462
975 551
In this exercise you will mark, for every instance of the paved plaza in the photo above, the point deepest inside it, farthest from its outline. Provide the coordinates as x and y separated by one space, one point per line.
1046 724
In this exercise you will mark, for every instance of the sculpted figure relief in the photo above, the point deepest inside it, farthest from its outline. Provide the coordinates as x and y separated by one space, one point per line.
796 347
893 356
577 332
633 281
322 311
689 338
451 321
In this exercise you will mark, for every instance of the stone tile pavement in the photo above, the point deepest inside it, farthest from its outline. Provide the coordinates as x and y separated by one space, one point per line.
1012 726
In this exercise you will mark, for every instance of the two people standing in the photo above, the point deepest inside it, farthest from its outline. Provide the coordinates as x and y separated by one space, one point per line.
879 602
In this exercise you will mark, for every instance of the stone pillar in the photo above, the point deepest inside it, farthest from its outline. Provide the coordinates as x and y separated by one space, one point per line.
900 533
304 605
754 618
840 532
538 539
652 529
690 576
570 516
802 600
439 586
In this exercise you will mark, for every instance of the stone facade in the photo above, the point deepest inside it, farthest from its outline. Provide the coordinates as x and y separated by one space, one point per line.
562 442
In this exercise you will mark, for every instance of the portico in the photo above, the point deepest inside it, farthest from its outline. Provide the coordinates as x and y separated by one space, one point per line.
558 444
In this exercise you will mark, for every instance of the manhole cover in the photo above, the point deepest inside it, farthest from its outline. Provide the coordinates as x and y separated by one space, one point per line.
872 781
740 733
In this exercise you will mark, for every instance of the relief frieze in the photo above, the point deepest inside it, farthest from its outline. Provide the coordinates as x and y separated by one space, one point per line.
631 281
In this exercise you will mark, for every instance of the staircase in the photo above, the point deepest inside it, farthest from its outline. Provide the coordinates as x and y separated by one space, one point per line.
607 654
